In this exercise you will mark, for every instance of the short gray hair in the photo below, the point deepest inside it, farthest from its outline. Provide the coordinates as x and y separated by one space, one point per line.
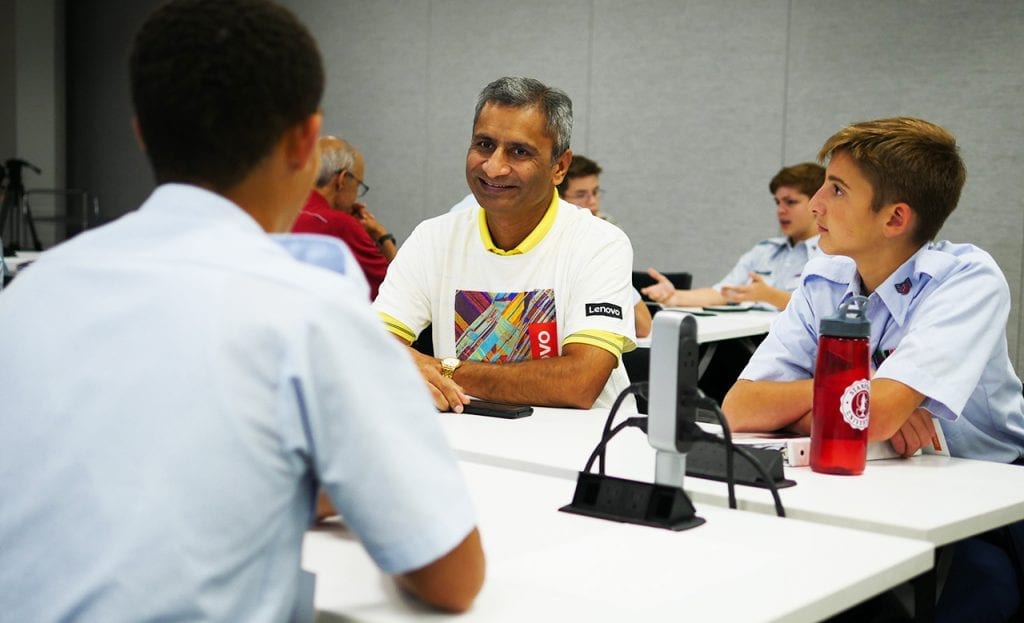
520 92
333 159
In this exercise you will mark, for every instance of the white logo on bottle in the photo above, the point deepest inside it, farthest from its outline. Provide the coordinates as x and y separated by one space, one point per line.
854 404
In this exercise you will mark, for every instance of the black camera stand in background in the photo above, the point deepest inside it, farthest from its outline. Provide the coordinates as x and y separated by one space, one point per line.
14 209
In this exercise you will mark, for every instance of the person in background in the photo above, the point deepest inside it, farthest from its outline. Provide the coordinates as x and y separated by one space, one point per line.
938 313
161 447
582 186
770 271
529 297
332 209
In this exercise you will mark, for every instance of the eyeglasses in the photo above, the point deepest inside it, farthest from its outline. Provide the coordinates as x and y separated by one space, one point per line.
363 188
585 194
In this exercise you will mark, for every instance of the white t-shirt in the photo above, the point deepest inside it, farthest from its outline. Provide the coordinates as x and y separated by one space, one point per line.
568 281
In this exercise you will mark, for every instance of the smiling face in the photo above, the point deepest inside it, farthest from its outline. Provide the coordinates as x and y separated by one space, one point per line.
792 207
842 211
509 167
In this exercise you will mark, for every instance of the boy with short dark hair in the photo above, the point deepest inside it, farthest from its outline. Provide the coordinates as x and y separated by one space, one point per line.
176 387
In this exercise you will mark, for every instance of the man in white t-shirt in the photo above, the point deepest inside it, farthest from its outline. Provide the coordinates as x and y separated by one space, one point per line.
529 297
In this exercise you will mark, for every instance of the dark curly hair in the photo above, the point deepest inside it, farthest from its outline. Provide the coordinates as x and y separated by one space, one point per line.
216 83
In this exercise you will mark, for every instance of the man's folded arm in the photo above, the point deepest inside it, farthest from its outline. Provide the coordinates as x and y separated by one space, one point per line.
452 581
896 416
762 406
573 379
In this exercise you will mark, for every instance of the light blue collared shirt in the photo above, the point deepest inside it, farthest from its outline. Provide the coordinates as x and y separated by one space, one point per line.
780 263
173 388
938 325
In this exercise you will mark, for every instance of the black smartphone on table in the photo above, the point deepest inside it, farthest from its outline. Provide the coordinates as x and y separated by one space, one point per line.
497 409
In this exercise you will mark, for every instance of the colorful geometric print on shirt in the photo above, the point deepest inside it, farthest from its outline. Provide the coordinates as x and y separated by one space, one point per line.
505 326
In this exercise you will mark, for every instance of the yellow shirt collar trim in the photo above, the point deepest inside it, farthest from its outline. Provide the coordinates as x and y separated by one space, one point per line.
530 241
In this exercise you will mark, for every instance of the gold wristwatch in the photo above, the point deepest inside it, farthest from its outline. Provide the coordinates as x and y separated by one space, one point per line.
448 367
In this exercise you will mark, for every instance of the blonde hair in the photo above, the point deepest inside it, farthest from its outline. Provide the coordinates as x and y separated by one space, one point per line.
905 160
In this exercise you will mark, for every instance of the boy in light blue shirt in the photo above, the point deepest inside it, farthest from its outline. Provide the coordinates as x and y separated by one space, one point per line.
938 316
938 311
770 271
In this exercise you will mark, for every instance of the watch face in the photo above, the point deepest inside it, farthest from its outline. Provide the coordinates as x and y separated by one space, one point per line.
448 365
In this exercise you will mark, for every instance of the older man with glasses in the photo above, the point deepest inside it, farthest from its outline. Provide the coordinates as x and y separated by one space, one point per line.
332 209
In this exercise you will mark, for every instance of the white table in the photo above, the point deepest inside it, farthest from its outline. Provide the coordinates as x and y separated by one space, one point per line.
547 565
724 325
711 329
933 498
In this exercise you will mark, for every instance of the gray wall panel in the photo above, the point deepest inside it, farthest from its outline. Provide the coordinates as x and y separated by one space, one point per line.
943 61
474 43
103 156
690 105
376 61
687 121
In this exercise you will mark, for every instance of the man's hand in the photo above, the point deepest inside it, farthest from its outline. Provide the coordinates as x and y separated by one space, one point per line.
368 221
662 291
376 231
756 290
917 432
447 394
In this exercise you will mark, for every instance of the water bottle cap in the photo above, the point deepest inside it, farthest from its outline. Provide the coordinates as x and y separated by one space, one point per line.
850 319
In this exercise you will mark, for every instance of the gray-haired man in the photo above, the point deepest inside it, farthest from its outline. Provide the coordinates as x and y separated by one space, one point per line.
529 297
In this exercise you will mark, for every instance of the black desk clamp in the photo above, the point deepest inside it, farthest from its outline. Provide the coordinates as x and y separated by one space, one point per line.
664 503
673 432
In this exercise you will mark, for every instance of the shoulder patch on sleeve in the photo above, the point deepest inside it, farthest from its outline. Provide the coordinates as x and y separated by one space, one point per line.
833 268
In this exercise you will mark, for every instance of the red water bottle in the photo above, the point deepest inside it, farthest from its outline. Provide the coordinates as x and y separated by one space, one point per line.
842 387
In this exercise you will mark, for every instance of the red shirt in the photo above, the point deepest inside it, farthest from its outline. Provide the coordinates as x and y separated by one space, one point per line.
318 217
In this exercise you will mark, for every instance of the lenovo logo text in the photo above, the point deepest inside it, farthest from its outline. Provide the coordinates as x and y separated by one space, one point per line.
604 309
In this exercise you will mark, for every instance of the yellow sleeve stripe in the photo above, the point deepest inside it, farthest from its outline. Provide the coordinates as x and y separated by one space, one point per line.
612 342
393 325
